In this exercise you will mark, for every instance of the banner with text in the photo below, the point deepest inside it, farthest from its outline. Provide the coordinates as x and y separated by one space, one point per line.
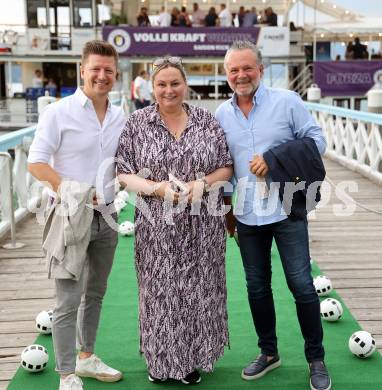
347 78
183 41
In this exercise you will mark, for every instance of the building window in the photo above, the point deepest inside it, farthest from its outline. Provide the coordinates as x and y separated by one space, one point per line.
103 12
37 15
82 13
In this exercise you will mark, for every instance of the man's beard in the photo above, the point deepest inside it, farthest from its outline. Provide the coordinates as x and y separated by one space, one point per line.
254 83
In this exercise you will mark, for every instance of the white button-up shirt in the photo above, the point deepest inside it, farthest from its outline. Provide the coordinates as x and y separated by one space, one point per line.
71 138
225 18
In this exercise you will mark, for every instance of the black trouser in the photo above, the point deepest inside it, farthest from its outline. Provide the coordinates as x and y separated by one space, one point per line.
139 104
292 241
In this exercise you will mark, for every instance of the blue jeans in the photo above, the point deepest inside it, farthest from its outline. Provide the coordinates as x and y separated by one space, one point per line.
292 241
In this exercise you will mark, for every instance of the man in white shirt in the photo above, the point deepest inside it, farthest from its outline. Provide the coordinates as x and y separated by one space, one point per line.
197 16
38 79
225 17
164 18
78 134
142 91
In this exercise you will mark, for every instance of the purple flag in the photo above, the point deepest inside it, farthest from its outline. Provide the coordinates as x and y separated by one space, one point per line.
347 78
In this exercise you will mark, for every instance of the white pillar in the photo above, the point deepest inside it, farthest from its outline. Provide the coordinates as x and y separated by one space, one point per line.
297 13
94 16
78 74
5 206
9 83
216 81
132 9
303 15
270 74
313 94
374 100
20 173
368 48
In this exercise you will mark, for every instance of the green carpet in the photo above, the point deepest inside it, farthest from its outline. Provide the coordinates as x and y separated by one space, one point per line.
117 341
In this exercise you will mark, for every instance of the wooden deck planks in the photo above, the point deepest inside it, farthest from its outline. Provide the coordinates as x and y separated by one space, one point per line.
348 250
24 292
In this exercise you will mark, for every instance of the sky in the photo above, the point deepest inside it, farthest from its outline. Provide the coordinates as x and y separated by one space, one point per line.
371 8
366 8
12 11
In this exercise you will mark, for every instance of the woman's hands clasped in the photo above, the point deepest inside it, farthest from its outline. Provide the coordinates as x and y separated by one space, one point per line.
166 191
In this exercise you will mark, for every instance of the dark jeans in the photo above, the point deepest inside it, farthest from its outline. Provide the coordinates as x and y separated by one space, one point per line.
292 241
139 104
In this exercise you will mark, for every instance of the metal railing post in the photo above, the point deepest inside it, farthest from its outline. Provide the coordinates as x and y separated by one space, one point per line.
13 244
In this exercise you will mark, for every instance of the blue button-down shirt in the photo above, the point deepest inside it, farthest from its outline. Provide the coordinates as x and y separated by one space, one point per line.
277 116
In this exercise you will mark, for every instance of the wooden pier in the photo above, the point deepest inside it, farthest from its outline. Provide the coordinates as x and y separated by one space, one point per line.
348 249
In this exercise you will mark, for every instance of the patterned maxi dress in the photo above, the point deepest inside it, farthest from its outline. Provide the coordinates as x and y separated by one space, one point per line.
180 265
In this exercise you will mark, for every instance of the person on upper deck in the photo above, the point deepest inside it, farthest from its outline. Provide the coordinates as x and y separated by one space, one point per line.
143 18
270 17
198 16
211 18
225 17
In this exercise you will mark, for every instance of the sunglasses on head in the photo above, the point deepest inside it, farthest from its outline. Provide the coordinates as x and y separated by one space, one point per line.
167 60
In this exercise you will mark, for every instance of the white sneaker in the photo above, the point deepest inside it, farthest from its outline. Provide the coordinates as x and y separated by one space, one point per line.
71 382
94 367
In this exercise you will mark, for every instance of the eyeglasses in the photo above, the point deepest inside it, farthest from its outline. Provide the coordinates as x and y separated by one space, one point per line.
167 60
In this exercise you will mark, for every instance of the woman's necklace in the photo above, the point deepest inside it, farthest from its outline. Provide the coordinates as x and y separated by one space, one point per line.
175 133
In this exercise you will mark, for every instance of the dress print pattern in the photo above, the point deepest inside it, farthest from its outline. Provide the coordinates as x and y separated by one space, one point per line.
180 266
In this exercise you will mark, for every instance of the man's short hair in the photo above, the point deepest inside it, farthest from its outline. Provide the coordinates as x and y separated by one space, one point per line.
101 48
242 45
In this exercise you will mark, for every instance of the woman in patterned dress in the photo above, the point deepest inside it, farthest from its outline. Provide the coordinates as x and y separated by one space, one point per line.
179 244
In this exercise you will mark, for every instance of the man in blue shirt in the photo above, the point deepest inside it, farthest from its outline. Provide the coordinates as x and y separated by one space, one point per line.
255 120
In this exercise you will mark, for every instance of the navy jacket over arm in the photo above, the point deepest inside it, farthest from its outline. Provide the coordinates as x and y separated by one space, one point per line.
296 165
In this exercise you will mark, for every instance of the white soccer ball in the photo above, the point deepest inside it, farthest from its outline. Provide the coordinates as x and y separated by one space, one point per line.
362 344
44 322
34 358
323 285
119 204
331 309
124 195
126 228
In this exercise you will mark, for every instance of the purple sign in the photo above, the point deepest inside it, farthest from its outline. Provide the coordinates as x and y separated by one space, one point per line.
347 78
177 41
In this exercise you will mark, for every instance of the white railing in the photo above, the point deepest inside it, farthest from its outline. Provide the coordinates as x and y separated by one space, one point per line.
19 183
353 138
302 81
24 40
